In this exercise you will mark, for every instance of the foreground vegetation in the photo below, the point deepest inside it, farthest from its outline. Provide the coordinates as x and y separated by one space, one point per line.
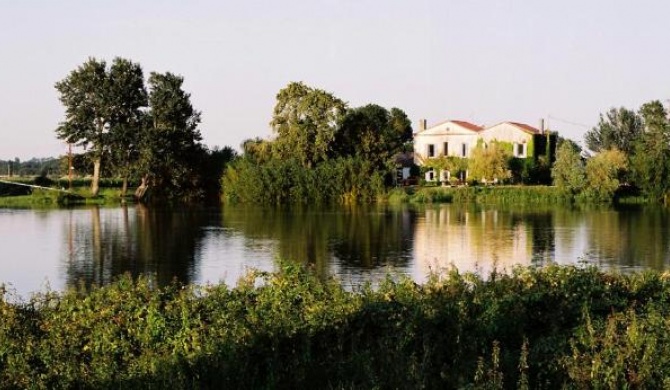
534 328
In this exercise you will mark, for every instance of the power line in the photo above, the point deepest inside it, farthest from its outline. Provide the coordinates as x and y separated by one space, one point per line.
569 122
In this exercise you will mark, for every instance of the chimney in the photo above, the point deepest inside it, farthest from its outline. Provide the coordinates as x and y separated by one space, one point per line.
422 124
541 125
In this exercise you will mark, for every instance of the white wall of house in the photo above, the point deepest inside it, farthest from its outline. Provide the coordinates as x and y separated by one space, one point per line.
434 139
505 132
517 135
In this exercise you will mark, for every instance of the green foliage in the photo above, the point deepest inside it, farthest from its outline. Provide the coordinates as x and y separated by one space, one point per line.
618 130
603 172
306 121
651 161
625 350
374 134
287 181
519 195
569 172
323 152
170 150
102 109
489 163
556 327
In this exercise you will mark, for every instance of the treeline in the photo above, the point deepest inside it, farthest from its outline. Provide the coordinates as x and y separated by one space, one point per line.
323 151
632 156
34 167
552 328
149 136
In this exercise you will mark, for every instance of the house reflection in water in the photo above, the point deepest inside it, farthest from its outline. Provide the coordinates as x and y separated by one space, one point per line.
471 239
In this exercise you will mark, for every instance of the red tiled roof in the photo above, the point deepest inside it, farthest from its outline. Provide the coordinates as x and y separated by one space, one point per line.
525 127
468 125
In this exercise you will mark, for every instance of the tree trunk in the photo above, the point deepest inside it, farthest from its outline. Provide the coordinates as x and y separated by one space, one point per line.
95 183
124 186
126 173
141 191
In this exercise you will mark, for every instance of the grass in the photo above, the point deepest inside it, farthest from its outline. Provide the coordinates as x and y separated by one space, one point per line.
556 327
479 194
48 198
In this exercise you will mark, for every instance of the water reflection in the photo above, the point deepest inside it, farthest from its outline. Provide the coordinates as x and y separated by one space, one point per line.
478 240
199 245
347 241
629 239
104 243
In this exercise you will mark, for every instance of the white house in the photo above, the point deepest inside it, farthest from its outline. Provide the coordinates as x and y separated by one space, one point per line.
458 138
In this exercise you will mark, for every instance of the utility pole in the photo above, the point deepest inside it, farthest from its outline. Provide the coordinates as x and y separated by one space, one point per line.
69 166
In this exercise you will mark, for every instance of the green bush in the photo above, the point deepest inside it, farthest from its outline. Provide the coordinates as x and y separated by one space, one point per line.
557 327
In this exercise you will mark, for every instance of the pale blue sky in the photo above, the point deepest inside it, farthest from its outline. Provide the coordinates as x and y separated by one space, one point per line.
482 61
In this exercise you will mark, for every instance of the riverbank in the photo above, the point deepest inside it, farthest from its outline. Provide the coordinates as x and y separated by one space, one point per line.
30 192
501 195
551 327
55 198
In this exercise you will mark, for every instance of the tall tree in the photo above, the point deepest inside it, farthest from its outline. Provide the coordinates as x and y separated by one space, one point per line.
569 173
374 134
617 130
305 120
127 95
99 100
171 151
651 160
85 95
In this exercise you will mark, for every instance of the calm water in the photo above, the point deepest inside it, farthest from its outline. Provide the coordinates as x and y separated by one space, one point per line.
59 248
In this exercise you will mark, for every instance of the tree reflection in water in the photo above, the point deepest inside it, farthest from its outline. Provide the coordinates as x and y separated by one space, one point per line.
104 243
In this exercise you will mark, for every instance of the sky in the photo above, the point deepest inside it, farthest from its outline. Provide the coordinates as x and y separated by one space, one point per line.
481 61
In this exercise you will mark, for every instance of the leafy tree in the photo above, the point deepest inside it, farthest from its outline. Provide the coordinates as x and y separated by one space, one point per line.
402 127
128 95
651 160
170 147
603 173
373 133
305 120
617 130
96 99
489 162
569 173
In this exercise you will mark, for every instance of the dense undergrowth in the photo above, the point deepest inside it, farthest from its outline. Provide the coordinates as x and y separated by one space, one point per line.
557 327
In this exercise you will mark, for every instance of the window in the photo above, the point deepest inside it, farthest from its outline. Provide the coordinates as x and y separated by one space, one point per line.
464 150
520 150
431 150
446 149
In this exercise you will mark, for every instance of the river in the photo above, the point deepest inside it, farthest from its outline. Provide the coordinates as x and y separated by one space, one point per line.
57 248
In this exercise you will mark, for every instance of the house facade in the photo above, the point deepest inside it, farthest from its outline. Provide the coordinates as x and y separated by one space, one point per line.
455 138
